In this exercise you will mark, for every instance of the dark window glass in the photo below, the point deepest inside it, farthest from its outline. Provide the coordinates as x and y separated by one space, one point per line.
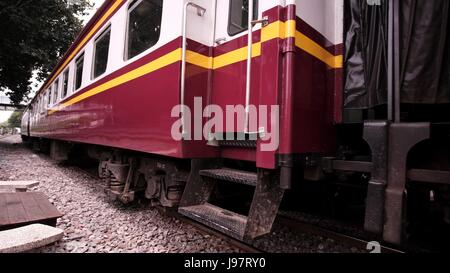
55 91
144 26
49 97
101 53
238 21
79 72
65 83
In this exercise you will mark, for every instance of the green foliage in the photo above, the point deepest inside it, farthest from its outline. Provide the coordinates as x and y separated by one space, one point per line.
34 36
14 120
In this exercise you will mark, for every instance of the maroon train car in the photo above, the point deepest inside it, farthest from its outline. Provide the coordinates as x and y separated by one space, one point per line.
319 90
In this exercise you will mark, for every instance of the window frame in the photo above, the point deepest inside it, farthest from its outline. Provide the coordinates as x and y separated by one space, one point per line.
96 40
134 4
255 13
55 98
42 106
64 74
79 59
39 104
46 100
131 7
49 97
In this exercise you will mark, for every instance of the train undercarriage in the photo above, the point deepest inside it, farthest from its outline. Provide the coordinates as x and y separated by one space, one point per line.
398 175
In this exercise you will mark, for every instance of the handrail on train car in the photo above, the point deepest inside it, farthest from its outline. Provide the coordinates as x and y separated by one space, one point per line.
200 12
249 65
248 86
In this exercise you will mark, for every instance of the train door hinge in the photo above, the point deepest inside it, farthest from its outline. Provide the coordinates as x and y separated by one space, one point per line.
288 45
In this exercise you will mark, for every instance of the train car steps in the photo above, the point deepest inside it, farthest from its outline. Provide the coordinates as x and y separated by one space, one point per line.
236 176
263 210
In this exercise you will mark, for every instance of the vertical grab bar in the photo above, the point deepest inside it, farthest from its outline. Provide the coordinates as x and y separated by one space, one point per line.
248 84
264 21
200 12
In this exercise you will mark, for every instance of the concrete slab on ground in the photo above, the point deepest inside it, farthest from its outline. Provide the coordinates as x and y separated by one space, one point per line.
28 238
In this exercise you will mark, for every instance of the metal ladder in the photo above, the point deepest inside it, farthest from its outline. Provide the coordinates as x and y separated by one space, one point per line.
263 210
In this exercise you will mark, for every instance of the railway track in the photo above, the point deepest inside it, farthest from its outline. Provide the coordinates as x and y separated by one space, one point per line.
345 239
294 224
247 248
203 229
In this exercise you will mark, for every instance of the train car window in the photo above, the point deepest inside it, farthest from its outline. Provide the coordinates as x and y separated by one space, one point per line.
144 26
52 95
55 91
101 51
238 18
79 71
49 97
65 84
42 102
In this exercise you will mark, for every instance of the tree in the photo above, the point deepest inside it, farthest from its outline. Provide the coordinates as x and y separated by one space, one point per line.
15 119
34 36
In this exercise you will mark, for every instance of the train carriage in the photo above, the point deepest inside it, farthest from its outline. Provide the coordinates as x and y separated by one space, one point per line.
315 88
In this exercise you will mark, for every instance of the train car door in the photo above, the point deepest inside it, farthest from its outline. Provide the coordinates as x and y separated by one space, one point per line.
230 60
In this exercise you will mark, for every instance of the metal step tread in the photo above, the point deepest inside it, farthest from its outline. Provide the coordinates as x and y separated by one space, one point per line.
238 143
236 176
225 221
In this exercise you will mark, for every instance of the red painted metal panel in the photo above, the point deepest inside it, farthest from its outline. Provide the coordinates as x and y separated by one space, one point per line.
313 131
198 85
238 154
137 115
270 85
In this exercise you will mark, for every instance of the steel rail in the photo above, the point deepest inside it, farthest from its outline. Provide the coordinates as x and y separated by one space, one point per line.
350 241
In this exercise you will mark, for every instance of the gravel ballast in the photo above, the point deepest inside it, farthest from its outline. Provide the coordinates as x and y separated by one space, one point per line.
94 224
